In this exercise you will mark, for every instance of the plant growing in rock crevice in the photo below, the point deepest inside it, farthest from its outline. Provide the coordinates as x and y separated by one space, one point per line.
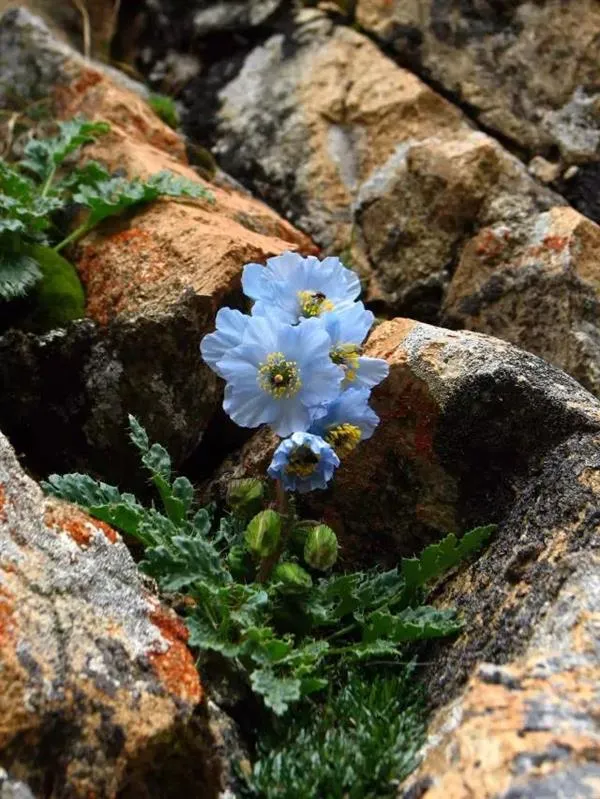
37 194
257 582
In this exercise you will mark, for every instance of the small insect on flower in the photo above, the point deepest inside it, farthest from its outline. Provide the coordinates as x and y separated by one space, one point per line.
349 419
279 375
291 288
230 326
303 462
347 330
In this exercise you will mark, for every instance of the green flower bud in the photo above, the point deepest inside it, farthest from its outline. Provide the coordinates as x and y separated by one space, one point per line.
293 578
300 530
263 533
239 561
321 548
244 492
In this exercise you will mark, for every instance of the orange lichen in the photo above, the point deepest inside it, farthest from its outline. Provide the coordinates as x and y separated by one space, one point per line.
175 667
489 245
65 96
7 623
2 503
556 243
69 519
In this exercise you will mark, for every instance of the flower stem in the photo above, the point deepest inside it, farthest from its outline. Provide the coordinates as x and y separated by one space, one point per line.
76 234
48 183
283 508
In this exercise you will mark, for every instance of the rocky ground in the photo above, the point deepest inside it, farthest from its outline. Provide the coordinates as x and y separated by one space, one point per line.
448 151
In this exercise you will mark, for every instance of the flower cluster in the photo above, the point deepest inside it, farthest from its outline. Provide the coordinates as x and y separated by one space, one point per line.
297 364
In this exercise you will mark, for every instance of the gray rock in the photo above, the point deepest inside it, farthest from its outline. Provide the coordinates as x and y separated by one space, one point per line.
99 688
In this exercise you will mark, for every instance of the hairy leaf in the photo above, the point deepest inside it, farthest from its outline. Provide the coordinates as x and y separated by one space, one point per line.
19 273
43 156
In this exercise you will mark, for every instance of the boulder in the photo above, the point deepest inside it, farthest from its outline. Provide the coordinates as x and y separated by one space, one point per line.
466 422
475 431
367 158
535 283
154 281
100 694
501 61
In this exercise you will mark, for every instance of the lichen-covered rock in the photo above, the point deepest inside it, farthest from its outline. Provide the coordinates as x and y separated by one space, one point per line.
527 70
529 728
367 158
466 420
153 281
537 284
100 694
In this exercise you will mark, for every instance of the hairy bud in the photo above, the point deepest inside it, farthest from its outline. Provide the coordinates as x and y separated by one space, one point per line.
321 548
263 533
244 493
293 578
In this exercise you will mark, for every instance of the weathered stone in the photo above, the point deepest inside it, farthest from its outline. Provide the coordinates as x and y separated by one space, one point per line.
369 160
536 284
153 280
530 728
100 694
466 420
527 70
88 26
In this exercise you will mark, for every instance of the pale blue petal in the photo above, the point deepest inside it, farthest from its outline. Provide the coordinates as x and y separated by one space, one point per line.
370 372
230 326
292 417
255 283
248 408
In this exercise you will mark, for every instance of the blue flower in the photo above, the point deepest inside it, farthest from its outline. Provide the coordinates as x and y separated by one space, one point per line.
292 288
230 329
303 462
347 330
280 375
349 419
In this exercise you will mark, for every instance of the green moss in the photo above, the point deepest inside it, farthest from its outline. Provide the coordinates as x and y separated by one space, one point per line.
59 296
165 108
358 744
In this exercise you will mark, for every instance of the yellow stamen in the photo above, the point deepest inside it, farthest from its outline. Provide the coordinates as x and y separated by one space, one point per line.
279 377
343 438
302 462
348 357
314 303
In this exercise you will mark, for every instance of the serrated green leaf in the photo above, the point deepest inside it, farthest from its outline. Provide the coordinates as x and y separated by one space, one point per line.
447 553
137 434
203 636
43 156
277 692
183 491
412 624
168 184
19 273
89 174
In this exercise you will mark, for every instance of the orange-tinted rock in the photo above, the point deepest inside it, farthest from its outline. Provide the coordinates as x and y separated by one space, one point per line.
373 163
154 281
501 59
536 284
95 671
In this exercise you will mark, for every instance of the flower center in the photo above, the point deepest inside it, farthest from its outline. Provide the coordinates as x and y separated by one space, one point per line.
314 303
343 438
302 462
347 356
278 377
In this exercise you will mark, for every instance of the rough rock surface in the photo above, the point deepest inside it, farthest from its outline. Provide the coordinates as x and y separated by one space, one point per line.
153 281
98 684
537 284
475 431
466 421
530 728
527 70
367 158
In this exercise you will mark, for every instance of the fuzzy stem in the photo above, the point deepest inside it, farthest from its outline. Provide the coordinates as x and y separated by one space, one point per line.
48 183
76 234
283 508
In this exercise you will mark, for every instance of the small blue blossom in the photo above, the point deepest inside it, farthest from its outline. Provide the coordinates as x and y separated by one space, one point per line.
347 330
303 462
280 375
230 325
348 421
292 288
